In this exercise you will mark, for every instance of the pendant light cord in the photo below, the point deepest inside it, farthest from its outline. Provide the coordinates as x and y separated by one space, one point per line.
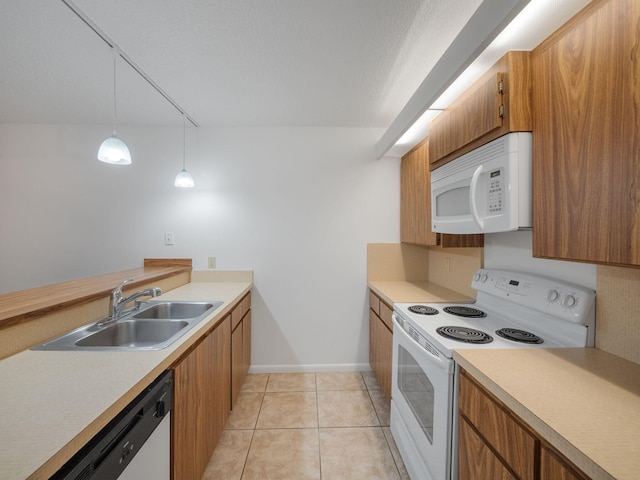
115 110
184 142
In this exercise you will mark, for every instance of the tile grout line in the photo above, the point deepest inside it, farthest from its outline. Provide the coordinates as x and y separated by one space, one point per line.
253 431
393 457
318 428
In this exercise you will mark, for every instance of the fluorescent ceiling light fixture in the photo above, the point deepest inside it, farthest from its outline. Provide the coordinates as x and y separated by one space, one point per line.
184 178
414 135
113 150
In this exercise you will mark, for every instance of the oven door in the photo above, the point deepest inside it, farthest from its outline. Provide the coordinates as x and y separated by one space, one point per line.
421 405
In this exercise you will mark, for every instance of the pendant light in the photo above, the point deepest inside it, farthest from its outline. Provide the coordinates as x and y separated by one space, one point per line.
113 150
184 178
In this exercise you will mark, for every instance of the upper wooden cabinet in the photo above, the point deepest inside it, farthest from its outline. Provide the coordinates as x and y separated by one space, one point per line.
415 204
586 137
415 197
499 102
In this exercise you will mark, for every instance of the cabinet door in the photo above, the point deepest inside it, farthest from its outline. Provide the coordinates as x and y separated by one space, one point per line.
415 204
554 468
221 380
586 137
246 343
380 353
201 402
415 197
473 116
240 346
192 402
476 461
498 428
499 102
237 376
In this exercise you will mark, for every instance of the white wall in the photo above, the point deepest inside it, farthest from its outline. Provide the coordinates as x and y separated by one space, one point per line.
512 251
296 205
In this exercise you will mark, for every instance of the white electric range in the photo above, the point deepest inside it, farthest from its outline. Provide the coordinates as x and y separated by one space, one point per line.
512 310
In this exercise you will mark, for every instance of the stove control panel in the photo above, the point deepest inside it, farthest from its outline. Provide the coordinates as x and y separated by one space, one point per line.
556 297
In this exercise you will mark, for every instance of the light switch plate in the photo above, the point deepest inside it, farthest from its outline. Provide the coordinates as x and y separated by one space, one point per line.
168 238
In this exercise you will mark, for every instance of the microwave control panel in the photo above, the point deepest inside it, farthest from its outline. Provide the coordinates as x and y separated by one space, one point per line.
496 191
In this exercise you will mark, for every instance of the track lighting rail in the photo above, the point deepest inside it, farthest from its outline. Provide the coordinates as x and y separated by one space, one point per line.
98 31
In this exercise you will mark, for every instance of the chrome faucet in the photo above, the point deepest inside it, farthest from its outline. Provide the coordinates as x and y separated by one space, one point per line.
117 301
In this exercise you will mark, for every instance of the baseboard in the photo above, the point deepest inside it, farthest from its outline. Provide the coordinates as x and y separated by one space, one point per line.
353 367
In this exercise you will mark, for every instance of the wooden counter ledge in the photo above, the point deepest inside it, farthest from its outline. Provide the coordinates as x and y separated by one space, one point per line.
26 305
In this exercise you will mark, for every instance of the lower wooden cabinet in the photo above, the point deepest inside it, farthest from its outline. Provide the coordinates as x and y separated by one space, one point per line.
494 443
553 467
202 402
206 382
381 342
240 345
479 462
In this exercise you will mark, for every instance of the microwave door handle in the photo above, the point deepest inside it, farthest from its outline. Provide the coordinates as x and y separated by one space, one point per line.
472 198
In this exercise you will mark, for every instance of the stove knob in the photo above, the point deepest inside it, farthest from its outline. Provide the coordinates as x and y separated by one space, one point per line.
477 277
484 277
569 301
553 296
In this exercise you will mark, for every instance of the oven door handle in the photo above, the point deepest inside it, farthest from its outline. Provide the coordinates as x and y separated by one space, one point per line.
443 363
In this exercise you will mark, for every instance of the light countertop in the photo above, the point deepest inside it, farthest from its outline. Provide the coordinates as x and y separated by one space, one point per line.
424 292
583 401
52 402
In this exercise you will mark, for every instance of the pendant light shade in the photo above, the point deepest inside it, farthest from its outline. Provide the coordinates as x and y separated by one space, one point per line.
184 178
113 150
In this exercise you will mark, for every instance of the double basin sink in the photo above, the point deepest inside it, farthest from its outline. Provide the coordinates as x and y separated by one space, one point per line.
153 326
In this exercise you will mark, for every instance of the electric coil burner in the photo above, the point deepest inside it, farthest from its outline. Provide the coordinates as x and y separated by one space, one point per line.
423 310
467 312
519 335
463 334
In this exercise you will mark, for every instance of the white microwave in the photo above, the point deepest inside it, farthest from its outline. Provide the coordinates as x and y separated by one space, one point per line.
487 190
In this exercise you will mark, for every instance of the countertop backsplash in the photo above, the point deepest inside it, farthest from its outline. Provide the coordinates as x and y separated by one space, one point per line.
618 311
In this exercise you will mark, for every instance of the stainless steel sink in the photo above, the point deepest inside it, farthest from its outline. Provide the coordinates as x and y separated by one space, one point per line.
133 333
174 310
151 326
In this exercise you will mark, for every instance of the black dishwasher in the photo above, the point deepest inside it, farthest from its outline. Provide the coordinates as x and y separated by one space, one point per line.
107 455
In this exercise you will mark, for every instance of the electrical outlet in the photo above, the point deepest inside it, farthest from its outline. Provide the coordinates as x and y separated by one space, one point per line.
212 262
168 238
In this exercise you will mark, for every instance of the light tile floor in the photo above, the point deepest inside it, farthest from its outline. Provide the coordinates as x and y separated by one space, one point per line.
315 426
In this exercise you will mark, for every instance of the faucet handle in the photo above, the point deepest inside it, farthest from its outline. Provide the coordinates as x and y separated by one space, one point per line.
116 293
116 296
122 284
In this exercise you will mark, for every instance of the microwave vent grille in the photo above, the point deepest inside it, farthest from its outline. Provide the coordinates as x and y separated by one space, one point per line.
485 153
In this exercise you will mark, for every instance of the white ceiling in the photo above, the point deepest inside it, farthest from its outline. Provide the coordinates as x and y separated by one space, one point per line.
322 63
